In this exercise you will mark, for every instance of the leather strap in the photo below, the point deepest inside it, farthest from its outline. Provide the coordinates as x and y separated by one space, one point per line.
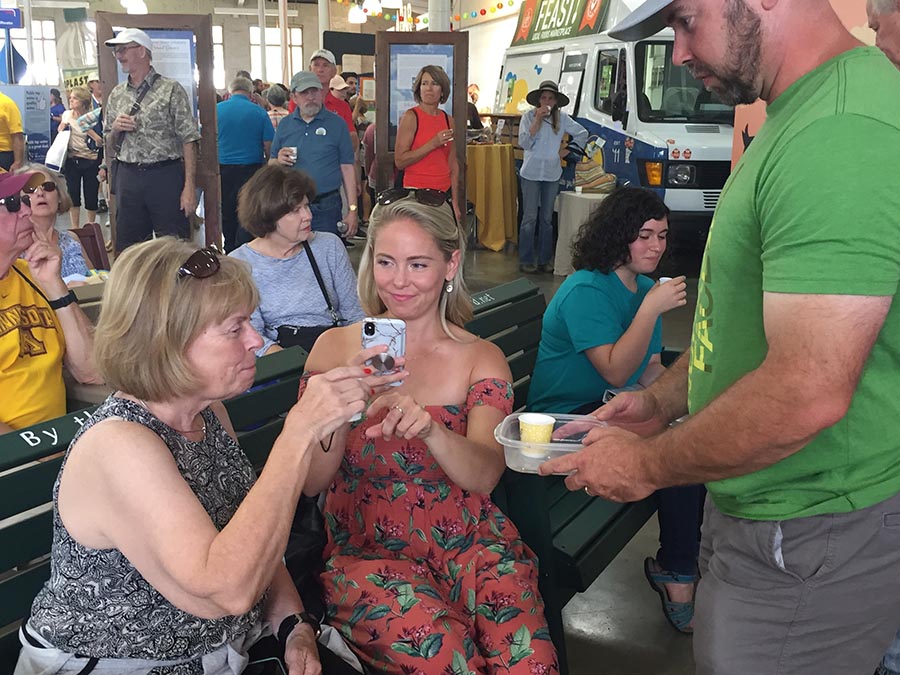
335 316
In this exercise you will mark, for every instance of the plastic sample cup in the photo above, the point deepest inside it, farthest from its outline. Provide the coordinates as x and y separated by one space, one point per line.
535 428
663 280
293 151
578 189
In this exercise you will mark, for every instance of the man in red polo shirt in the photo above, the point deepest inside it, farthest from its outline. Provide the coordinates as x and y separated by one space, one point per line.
323 64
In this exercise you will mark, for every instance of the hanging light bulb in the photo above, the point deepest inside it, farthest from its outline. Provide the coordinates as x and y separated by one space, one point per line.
371 7
356 15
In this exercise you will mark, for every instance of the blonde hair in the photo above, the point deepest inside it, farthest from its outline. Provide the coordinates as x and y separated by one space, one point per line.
440 224
150 315
83 95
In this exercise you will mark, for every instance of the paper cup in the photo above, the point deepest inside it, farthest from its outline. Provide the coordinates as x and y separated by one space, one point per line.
663 280
293 151
535 428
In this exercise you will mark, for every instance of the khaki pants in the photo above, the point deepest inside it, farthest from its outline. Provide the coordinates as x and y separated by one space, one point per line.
808 596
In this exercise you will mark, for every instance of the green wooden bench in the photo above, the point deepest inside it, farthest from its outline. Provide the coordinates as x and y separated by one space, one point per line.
26 483
574 536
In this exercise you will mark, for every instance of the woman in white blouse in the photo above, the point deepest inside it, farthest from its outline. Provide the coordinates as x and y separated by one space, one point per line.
541 133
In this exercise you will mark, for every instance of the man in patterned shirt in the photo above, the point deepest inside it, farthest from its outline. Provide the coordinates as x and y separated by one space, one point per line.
155 146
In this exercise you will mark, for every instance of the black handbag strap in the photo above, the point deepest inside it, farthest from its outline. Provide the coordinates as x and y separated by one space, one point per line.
335 316
142 90
31 283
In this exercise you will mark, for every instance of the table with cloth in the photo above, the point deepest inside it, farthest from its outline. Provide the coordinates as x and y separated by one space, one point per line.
574 209
491 187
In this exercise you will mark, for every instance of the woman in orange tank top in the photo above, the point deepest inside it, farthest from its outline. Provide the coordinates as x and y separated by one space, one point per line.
424 150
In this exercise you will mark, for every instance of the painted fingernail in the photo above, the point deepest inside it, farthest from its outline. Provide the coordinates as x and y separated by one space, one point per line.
367 371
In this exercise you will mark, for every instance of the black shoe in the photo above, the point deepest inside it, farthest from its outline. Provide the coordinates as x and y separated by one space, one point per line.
528 269
102 206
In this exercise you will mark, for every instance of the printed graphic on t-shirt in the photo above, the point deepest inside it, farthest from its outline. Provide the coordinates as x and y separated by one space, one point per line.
25 319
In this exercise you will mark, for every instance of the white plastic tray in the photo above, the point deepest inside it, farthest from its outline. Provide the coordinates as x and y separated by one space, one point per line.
568 432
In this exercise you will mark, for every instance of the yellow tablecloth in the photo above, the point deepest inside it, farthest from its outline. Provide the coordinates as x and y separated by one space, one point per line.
491 187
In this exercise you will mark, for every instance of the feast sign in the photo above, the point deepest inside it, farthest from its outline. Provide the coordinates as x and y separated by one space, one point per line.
542 20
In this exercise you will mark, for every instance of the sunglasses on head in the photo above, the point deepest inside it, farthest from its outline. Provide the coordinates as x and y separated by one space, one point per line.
13 203
46 186
425 196
201 264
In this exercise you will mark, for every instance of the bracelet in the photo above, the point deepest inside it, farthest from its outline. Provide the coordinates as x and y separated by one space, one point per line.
64 301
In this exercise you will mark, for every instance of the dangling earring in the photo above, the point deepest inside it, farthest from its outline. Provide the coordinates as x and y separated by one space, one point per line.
449 286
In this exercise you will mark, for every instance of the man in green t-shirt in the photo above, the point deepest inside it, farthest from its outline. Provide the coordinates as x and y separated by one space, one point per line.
793 376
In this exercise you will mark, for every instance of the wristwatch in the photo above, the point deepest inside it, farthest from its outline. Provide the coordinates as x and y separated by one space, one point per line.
352 207
289 623
64 301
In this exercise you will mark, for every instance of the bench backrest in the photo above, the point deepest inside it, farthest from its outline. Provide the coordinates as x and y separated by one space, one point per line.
511 316
30 460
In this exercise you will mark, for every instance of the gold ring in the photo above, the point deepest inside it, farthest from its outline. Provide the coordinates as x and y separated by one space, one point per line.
397 407
587 491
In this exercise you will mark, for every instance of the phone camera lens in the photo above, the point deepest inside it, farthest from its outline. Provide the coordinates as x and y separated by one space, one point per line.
369 328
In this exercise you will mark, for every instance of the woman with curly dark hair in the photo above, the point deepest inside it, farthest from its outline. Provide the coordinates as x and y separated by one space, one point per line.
603 330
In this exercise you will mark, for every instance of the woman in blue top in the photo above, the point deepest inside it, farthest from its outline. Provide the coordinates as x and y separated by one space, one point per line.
602 330
541 132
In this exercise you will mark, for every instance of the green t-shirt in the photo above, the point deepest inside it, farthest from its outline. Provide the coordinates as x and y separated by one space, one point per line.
589 309
812 207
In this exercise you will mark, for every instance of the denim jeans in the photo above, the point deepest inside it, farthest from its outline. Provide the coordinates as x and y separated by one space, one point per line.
538 198
326 212
890 662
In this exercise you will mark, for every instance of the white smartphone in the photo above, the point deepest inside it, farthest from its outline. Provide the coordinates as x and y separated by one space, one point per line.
390 332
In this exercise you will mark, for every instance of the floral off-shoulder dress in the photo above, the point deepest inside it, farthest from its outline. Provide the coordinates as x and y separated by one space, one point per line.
423 577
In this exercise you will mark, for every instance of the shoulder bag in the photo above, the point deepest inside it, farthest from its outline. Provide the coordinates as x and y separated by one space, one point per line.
120 138
306 336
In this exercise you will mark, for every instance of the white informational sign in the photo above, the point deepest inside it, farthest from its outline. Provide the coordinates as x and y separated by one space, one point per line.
34 106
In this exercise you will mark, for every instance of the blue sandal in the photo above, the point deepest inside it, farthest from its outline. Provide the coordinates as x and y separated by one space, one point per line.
678 614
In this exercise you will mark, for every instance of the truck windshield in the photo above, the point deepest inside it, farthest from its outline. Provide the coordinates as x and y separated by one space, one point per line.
669 93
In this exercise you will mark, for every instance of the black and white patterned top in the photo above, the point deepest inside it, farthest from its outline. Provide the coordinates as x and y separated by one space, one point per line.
97 604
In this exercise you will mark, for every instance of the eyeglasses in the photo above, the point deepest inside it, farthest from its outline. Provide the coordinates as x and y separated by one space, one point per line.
425 196
121 49
46 186
13 203
201 264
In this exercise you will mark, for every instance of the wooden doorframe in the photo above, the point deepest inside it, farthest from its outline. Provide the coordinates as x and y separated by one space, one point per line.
207 174
384 159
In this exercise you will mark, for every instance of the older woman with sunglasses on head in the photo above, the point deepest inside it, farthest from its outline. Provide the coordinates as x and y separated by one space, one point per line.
167 550
43 327
423 571
48 199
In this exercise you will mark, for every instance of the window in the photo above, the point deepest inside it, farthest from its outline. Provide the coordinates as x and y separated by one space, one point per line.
609 74
218 57
45 67
273 53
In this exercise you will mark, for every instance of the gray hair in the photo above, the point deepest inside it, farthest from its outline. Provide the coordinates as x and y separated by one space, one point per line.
275 96
240 84
883 6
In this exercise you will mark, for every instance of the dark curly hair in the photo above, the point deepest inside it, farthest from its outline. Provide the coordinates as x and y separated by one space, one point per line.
602 241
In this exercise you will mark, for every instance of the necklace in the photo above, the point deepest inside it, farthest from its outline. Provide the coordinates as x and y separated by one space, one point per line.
183 432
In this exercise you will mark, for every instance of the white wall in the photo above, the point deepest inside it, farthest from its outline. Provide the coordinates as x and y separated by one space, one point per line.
487 43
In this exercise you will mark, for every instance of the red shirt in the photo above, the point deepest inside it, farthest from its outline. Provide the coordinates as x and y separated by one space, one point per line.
341 109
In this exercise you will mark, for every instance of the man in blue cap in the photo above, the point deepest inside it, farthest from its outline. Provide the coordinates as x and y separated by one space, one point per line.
314 140
792 377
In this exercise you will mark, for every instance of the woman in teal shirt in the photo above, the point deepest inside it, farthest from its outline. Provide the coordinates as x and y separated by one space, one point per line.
603 330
